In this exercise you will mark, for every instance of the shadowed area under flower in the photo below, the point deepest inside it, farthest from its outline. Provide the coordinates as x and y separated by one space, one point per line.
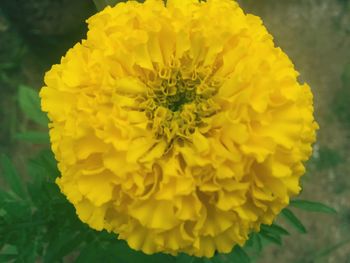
181 128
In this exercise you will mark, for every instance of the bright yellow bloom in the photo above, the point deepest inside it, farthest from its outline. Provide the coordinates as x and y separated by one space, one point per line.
181 128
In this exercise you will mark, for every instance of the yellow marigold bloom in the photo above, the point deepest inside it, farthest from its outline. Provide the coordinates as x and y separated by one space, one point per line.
179 127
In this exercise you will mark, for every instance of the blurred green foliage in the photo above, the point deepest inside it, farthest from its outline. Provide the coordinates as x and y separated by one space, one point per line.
327 158
341 103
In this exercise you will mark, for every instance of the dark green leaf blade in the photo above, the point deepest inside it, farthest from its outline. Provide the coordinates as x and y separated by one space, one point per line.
256 242
293 220
276 239
275 229
11 176
62 246
239 255
184 258
29 103
34 137
312 206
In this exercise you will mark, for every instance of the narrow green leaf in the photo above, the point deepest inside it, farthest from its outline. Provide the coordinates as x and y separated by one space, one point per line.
254 242
257 242
16 211
331 249
274 238
11 176
312 206
63 245
293 220
29 103
45 165
239 255
275 229
34 137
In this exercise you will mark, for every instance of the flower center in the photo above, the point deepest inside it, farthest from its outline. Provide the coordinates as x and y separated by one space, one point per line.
179 101
175 102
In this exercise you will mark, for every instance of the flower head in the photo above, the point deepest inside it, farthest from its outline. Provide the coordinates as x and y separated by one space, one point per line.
179 127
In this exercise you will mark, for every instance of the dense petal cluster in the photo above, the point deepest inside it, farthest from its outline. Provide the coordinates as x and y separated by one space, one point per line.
179 127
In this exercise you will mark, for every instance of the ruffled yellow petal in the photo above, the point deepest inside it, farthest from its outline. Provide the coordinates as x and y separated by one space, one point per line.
180 126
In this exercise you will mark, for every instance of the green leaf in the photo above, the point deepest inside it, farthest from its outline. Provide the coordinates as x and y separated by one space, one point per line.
275 229
183 258
28 255
34 137
312 206
127 255
276 239
331 249
29 103
63 245
101 4
11 176
45 165
16 210
256 242
7 257
87 254
239 255
293 220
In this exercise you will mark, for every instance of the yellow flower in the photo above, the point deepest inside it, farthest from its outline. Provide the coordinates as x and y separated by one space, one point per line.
181 128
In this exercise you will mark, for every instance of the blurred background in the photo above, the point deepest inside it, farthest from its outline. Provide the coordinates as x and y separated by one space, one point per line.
34 34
